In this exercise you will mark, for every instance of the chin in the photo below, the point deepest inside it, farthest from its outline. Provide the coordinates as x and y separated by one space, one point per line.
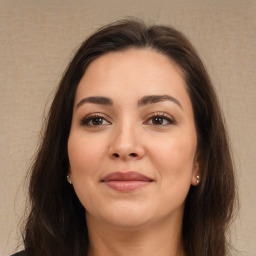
127 215
129 222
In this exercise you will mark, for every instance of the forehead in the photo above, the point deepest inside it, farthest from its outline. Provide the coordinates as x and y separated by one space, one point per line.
134 72
146 59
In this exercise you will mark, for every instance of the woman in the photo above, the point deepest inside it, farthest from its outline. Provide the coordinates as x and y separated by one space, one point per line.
134 159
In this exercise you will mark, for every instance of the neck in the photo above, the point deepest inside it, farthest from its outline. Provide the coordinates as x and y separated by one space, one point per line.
160 239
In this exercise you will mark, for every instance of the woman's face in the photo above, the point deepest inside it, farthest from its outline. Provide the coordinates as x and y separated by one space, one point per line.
132 144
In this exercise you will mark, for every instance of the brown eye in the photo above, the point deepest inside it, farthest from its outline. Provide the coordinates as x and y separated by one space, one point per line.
94 120
97 121
157 120
160 119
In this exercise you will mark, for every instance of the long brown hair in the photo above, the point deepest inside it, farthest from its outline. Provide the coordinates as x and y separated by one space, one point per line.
56 224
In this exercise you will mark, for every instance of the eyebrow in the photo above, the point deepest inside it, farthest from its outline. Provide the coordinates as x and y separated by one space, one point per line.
157 98
150 99
95 100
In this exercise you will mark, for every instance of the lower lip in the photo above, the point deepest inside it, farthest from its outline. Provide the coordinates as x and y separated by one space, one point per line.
126 186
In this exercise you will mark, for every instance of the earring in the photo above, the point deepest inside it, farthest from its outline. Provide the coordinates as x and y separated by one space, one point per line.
197 179
69 179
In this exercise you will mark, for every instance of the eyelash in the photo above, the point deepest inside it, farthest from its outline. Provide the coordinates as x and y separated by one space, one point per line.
161 115
86 120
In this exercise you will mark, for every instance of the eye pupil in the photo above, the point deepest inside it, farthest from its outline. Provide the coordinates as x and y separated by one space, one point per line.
97 121
157 120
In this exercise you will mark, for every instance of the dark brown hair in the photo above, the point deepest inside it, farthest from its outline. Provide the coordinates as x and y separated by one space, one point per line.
56 224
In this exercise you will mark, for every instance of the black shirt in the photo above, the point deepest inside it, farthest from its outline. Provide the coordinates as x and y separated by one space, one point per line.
22 253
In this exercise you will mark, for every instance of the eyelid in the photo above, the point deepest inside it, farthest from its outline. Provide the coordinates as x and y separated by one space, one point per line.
164 115
89 117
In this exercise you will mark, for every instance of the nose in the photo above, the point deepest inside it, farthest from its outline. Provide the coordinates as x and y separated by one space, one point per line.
126 144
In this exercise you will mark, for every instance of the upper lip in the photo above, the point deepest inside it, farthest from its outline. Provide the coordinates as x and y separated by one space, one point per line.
126 176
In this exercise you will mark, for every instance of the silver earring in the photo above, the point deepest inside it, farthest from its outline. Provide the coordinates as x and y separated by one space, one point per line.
69 179
197 179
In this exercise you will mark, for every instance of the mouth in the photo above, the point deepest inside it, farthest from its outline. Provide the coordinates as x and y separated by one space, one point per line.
126 181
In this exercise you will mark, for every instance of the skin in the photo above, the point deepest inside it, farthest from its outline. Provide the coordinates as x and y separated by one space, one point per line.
129 137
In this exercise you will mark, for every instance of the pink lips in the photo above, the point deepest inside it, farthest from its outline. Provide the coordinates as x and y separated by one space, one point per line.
126 181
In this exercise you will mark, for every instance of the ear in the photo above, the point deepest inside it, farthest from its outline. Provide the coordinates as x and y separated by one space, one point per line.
69 180
196 174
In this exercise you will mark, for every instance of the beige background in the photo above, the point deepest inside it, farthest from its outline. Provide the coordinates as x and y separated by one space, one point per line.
37 39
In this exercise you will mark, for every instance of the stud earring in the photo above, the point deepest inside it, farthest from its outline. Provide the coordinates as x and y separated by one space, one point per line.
69 179
197 179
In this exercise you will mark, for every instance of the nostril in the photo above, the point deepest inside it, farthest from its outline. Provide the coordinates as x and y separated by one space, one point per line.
133 154
115 155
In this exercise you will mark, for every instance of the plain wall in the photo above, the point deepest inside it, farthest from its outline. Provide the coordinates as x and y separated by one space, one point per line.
37 39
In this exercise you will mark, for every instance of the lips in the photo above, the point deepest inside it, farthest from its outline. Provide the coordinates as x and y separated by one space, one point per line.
126 181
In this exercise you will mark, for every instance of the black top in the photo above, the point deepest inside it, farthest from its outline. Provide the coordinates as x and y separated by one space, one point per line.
22 253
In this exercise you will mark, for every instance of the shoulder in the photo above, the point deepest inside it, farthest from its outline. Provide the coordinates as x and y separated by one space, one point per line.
22 253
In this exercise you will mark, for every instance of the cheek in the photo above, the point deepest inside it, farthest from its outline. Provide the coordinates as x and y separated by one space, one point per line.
175 164
174 159
84 158
84 155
